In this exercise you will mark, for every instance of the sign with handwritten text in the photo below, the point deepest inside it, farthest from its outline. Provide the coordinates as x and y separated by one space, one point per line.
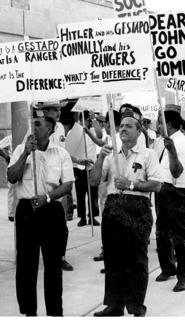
88 59
103 56
124 8
168 37
89 103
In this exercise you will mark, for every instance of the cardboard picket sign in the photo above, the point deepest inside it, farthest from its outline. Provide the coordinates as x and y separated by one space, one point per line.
88 59
124 8
88 103
168 38
174 84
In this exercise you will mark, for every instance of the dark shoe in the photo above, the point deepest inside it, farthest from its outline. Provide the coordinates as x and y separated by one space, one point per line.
180 286
164 277
31 315
95 222
100 257
82 223
109 312
102 271
11 219
66 266
139 315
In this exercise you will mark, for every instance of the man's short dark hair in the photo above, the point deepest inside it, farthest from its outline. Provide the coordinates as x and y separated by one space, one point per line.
86 115
117 117
125 105
174 118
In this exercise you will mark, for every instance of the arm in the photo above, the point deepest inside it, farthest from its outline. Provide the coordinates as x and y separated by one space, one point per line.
15 172
5 155
143 186
96 171
95 139
62 190
82 162
96 126
176 167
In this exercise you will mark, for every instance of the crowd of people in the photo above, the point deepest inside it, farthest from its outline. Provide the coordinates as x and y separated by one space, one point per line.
150 162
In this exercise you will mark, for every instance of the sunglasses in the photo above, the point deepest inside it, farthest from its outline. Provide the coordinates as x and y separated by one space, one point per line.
146 121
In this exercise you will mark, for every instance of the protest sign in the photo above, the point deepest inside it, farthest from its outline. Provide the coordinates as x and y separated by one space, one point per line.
102 57
174 85
29 70
88 59
147 102
89 103
168 37
123 8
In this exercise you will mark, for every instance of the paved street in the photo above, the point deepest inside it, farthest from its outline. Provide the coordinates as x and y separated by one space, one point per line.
83 287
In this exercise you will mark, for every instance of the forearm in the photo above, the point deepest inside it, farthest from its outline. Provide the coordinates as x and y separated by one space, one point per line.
147 186
176 167
98 129
96 140
96 172
75 159
61 191
15 172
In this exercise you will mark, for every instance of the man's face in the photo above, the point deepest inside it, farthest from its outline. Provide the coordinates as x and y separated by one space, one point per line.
101 123
55 112
88 123
161 128
41 128
107 127
128 130
146 124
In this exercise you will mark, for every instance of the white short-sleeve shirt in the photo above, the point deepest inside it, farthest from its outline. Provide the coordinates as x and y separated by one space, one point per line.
179 142
53 167
149 169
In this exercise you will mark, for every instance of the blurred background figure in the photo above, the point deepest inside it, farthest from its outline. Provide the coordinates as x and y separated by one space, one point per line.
6 152
151 133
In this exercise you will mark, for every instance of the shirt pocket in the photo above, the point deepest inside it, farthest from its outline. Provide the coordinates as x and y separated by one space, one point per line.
27 173
53 176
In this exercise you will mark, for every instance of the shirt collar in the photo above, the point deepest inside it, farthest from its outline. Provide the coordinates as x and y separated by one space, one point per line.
51 145
175 134
134 149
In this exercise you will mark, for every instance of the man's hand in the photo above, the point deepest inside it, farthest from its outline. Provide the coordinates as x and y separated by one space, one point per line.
85 162
169 144
86 130
38 201
92 115
30 145
121 183
105 150
4 154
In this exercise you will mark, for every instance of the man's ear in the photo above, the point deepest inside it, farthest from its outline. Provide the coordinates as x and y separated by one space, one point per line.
169 125
50 128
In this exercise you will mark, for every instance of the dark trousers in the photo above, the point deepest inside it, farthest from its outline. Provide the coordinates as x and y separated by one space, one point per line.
170 229
42 229
81 191
126 227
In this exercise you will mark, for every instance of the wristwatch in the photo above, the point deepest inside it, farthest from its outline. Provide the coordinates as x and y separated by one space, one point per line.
131 186
48 199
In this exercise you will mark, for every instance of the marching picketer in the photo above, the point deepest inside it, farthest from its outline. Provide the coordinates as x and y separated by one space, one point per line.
40 219
170 202
127 218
